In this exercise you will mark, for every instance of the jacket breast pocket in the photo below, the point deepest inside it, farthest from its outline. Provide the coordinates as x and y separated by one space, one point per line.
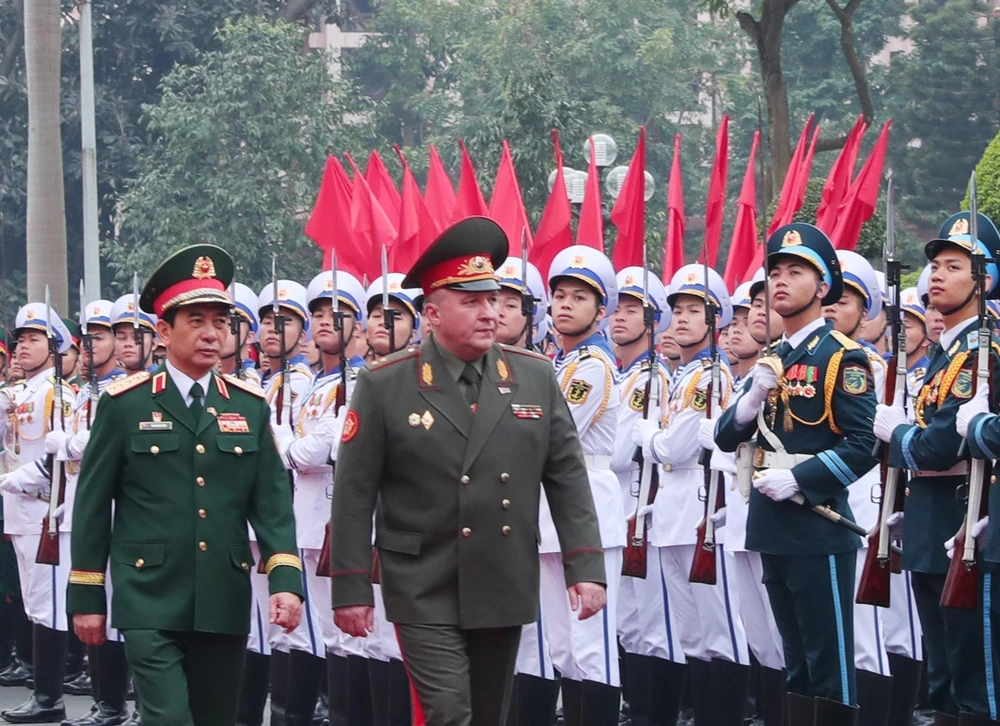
394 540
154 444
139 555
236 444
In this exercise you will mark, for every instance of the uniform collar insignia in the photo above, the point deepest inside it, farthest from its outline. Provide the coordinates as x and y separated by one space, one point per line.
159 383
812 343
223 389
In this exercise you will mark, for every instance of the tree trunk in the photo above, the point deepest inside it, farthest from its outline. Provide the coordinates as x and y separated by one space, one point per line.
46 228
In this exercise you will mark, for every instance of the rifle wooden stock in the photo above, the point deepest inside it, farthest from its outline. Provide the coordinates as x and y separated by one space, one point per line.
703 564
323 568
961 586
634 557
48 545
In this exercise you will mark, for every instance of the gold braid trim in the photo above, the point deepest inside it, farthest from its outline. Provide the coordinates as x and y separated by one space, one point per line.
570 370
608 385
283 561
918 408
50 399
81 577
829 386
691 388
954 368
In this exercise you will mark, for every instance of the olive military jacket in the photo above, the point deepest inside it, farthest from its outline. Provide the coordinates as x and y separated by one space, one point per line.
824 407
458 490
183 492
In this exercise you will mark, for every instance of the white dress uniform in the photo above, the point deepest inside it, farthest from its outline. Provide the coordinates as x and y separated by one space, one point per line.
292 299
585 650
30 416
308 452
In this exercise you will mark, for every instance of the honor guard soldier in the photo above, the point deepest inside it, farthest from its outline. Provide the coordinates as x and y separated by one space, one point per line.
31 413
583 288
861 304
917 342
177 464
814 439
707 615
430 434
317 646
285 400
935 505
653 669
135 333
71 360
390 687
239 345
513 327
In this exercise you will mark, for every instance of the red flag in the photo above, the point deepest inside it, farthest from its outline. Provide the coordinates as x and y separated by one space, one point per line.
439 193
469 202
838 181
802 180
329 225
784 213
553 233
629 212
383 187
744 244
716 194
417 228
673 251
590 228
506 205
372 227
862 197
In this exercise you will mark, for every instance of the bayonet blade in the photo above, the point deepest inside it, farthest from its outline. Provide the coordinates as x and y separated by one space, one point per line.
48 314
135 301
385 286
275 305
973 211
890 224
333 281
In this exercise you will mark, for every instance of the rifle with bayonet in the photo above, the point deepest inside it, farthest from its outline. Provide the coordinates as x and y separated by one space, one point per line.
389 315
87 340
527 297
137 335
961 586
634 559
48 545
284 391
880 562
703 564
235 329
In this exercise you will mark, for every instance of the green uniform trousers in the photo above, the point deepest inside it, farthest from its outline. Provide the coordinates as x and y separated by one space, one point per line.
956 664
812 597
186 678
459 677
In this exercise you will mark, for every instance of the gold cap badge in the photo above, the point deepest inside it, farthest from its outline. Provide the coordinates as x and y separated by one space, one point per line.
961 226
204 268
792 238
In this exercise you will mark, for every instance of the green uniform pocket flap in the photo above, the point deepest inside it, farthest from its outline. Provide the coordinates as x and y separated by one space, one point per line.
241 556
236 444
155 443
395 540
139 555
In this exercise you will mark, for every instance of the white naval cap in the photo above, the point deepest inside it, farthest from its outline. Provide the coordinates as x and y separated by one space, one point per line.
590 266
350 292
97 312
33 316
123 311
911 303
410 297
741 295
690 280
512 277
859 275
245 303
631 281
291 296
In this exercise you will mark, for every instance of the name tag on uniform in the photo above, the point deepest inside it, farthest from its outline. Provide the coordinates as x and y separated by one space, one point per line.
526 410
156 425
233 423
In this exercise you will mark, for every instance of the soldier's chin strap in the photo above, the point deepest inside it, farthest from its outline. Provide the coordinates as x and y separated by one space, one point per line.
968 299
240 345
645 331
852 331
48 362
589 326
699 342
803 308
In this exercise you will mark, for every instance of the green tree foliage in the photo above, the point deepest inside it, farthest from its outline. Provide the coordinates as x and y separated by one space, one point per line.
241 138
987 182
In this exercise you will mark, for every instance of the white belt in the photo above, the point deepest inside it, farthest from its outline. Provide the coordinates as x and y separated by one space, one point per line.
597 461
960 469
688 466
778 459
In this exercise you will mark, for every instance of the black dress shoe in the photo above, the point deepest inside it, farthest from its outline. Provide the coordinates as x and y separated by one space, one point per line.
99 715
135 720
16 675
35 711
79 686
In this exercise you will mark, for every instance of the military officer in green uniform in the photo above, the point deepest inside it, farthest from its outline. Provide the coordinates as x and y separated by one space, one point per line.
813 439
937 491
455 439
187 458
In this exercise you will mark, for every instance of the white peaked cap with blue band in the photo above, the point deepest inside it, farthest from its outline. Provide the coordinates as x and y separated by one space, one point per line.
631 281
510 274
97 313
246 304
123 312
408 296
33 317
350 292
291 296
690 280
593 268
859 275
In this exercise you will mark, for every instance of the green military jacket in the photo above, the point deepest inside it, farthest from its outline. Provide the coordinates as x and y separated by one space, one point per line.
458 490
183 493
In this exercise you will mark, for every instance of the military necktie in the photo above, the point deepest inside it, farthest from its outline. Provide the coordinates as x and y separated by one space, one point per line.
784 349
195 407
471 378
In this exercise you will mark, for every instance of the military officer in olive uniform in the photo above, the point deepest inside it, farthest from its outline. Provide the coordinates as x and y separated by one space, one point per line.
456 438
935 504
814 439
186 458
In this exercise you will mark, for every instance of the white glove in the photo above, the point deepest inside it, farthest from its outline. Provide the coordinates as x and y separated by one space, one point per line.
706 433
895 524
333 426
642 435
778 484
77 444
980 403
6 399
977 529
54 441
719 518
887 418
20 482
764 380
283 437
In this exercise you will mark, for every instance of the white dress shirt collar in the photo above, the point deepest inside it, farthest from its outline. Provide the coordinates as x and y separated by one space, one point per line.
184 383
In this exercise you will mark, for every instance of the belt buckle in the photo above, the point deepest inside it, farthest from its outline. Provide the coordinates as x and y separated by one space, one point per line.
758 457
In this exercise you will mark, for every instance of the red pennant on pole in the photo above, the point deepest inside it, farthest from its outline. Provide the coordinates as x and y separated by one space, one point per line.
716 194
372 227
629 212
469 202
417 228
553 234
786 202
590 228
507 206
673 250
329 224
862 197
838 181
383 187
439 193
744 244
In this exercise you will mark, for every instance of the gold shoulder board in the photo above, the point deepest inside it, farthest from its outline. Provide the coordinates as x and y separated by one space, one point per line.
127 384
845 341
244 386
